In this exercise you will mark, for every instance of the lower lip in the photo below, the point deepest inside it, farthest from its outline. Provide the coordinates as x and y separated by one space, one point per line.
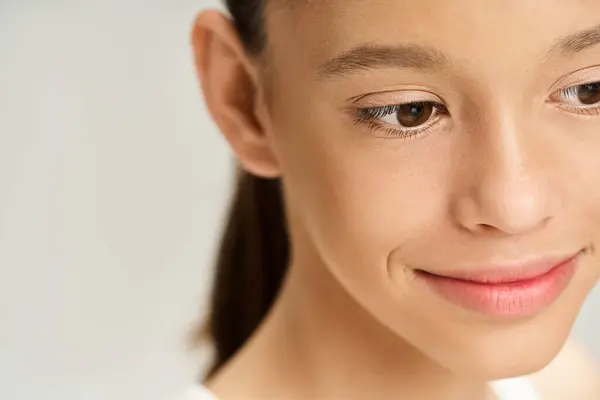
515 299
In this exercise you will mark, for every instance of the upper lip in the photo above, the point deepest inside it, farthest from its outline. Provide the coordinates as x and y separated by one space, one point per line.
506 272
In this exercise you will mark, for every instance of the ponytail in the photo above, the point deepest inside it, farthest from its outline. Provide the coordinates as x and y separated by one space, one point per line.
250 266
254 252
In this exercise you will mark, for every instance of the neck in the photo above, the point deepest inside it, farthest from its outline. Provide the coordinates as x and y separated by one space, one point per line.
318 342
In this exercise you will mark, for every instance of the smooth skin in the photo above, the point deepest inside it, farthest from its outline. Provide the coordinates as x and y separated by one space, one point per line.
506 168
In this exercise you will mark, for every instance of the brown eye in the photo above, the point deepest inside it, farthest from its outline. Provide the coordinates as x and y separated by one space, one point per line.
589 94
403 119
580 97
411 115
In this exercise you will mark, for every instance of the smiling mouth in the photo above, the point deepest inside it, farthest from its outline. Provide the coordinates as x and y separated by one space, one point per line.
515 271
514 289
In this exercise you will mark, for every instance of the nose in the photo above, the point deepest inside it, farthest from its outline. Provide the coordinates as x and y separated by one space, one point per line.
506 182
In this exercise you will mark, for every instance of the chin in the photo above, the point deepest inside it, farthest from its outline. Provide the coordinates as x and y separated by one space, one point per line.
507 350
491 345
513 366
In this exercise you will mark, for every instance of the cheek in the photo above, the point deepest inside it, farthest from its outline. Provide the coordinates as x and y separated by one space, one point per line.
579 172
359 197
358 203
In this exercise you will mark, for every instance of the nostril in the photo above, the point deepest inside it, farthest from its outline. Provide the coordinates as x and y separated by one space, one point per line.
486 229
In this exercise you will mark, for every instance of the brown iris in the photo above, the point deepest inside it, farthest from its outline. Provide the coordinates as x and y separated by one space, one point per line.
414 114
589 94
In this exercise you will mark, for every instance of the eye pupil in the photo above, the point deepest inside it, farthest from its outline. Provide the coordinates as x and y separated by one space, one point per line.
589 94
414 114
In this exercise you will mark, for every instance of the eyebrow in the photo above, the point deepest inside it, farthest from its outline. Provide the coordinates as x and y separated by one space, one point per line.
577 42
372 56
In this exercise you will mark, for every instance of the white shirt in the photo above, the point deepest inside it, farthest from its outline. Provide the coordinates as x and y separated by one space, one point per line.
506 389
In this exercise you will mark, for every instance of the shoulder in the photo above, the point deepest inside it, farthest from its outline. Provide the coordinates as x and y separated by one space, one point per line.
573 374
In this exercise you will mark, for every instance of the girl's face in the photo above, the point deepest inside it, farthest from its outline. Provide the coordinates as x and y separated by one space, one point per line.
494 167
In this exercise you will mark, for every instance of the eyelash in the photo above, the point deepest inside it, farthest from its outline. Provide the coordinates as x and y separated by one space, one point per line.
573 91
372 115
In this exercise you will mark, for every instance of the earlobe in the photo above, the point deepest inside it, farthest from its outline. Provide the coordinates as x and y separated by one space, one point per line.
232 93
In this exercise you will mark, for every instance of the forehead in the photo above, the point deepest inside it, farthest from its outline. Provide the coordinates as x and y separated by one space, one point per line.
305 34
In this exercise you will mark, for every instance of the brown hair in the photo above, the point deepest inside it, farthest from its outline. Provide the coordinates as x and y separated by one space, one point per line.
251 263
254 251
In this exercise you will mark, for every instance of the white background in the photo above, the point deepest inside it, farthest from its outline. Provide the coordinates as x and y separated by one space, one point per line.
113 183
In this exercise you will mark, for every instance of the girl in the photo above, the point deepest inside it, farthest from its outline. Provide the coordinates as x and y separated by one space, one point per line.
418 205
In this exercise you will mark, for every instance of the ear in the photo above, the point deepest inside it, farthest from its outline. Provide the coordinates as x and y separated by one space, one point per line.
230 84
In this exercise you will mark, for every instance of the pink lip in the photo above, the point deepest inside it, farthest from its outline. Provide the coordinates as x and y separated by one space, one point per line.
516 289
